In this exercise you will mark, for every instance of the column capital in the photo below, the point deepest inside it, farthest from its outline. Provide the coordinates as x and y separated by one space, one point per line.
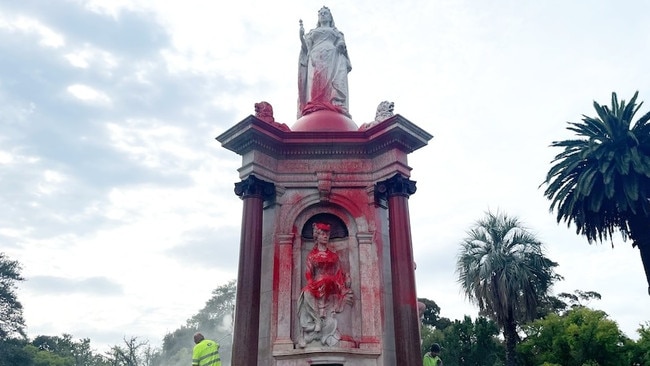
398 185
254 187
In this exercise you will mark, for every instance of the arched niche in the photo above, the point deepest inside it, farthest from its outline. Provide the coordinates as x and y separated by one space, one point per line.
343 241
338 229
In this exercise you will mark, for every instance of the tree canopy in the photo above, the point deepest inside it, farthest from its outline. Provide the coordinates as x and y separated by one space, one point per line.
601 179
582 336
11 310
502 268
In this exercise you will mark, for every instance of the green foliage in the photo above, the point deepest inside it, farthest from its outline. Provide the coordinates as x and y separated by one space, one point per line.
42 357
11 310
431 315
578 297
640 354
466 342
214 320
564 301
502 268
65 348
582 336
134 352
12 352
178 341
601 180
62 345
429 335
216 309
50 351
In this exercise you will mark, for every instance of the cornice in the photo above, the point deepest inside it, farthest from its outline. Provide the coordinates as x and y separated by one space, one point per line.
254 134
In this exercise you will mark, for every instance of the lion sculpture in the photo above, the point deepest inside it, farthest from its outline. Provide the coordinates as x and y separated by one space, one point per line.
264 112
384 112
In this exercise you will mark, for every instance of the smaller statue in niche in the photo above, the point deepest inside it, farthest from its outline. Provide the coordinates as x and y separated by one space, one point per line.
326 293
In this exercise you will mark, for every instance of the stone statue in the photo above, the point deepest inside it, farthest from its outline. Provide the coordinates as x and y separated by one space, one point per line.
264 112
323 68
326 293
384 112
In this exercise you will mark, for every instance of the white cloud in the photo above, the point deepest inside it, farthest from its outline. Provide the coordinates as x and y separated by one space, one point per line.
89 55
15 233
112 8
88 94
152 143
26 25
51 182
6 157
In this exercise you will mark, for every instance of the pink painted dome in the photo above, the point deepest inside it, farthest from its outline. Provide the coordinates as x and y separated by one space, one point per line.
324 120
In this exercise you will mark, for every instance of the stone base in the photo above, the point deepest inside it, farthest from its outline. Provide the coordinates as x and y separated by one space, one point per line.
327 356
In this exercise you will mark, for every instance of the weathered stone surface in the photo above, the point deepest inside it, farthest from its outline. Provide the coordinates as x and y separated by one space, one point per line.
334 173
323 68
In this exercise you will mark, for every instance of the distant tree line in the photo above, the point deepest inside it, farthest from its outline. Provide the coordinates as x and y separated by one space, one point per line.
16 349
569 335
565 331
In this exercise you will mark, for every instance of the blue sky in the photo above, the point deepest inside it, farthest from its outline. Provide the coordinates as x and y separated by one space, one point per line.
118 201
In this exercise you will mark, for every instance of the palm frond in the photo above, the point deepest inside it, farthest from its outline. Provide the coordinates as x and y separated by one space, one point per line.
501 268
602 178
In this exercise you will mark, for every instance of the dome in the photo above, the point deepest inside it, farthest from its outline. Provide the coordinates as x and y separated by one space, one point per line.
324 120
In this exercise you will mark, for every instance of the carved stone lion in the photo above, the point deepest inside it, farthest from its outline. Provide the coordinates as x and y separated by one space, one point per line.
384 111
264 111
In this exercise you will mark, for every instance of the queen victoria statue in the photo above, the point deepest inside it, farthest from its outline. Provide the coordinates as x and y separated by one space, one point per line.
323 68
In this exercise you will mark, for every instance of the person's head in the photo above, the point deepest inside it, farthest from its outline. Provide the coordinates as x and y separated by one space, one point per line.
198 337
321 233
435 349
325 17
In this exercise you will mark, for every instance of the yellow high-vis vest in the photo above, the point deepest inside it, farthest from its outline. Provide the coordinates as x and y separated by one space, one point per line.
206 353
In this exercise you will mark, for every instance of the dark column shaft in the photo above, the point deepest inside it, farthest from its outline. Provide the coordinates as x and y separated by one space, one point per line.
247 311
407 335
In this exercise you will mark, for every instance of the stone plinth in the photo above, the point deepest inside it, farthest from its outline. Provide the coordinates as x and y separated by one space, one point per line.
324 169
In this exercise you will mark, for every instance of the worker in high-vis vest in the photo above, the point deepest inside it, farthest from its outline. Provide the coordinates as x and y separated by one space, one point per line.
432 358
206 352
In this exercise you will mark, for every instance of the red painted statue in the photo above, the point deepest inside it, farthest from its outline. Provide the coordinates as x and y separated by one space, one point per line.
323 68
326 293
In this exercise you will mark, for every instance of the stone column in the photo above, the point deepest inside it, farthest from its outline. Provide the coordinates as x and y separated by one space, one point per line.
253 192
396 191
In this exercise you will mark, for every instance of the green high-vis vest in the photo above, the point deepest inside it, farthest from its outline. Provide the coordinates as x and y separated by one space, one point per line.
206 353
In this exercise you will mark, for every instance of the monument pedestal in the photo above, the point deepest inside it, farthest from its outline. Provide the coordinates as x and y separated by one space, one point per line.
325 170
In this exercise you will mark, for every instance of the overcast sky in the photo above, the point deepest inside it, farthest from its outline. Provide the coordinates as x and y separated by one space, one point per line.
119 202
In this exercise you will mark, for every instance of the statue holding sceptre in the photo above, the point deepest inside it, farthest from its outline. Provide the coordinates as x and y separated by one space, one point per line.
323 68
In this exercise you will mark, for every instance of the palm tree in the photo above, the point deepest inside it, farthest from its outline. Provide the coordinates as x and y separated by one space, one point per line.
502 268
601 181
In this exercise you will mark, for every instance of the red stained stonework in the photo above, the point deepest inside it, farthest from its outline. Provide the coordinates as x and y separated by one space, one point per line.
327 171
324 120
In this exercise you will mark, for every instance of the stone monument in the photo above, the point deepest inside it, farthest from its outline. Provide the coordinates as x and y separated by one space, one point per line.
325 271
